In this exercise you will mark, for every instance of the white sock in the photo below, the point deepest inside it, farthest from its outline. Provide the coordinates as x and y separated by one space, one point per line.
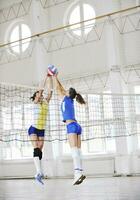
80 155
37 164
76 160
41 170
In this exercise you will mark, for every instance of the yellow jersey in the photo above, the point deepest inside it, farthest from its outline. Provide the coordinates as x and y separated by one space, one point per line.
40 111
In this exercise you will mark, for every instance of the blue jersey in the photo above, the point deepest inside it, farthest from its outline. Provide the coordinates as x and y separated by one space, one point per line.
67 108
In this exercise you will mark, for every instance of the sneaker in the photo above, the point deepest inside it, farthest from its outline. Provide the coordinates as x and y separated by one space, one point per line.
81 179
78 179
38 177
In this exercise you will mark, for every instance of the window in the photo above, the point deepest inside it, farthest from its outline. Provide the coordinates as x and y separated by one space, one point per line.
17 117
137 99
28 115
6 116
94 104
20 31
14 117
107 104
81 12
137 110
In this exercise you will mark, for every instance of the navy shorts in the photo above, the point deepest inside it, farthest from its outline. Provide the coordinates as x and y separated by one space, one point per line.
74 127
38 132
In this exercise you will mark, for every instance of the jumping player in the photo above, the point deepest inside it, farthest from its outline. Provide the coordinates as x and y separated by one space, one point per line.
37 129
73 128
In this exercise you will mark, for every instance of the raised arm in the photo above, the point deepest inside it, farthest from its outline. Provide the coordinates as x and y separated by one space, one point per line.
49 84
60 89
42 86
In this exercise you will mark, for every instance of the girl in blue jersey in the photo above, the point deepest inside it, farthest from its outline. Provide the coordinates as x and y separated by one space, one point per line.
74 130
37 129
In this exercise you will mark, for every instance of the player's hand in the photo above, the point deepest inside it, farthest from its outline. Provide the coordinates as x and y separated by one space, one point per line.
55 75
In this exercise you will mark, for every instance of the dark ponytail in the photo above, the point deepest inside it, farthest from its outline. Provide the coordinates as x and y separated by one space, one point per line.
80 99
34 95
73 94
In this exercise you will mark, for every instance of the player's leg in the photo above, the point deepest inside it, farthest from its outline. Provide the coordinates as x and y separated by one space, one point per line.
36 152
40 146
75 156
73 142
37 161
80 155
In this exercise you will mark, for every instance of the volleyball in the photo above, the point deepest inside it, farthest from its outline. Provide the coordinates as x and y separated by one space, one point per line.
52 70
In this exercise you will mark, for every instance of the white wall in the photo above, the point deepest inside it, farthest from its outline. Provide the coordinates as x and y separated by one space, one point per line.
131 48
92 166
70 60
4 4
103 165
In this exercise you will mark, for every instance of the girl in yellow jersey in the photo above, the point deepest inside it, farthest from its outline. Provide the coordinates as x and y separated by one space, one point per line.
37 129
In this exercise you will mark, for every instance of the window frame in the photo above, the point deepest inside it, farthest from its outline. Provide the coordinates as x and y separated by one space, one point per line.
69 12
22 42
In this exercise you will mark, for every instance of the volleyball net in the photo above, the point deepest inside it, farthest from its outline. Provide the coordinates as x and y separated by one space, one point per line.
103 116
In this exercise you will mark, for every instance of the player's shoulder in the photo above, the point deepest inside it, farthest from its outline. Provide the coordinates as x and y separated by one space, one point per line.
65 98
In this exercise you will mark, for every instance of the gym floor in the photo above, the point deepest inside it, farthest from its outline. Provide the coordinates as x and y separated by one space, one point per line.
111 188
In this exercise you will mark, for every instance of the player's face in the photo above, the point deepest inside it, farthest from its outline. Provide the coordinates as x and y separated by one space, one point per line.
38 97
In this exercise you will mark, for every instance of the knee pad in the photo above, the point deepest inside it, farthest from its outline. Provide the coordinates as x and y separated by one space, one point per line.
37 153
40 155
